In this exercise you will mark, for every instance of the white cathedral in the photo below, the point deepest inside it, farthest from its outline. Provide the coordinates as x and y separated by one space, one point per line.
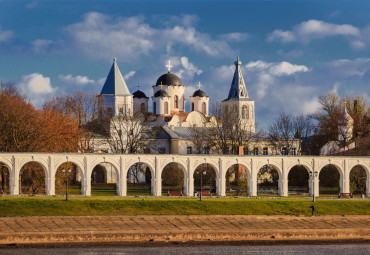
169 104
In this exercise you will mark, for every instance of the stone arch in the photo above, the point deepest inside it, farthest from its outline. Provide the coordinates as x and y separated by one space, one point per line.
173 176
237 175
210 178
108 185
74 179
75 162
301 186
35 184
359 183
5 172
214 166
267 179
329 181
134 191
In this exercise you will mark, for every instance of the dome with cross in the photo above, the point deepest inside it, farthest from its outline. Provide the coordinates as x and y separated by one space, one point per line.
169 78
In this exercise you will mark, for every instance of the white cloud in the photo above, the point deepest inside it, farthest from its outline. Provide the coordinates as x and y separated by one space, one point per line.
313 29
311 106
184 69
40 45
5 35
235 37
75 80
36 87
282 36
129 75
286 68
101 36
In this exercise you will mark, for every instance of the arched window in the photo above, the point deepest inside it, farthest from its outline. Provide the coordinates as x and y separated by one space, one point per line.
154 108
142 107
165 108
235 109
110 112
192 106
121 111
204 110
245 112
176 102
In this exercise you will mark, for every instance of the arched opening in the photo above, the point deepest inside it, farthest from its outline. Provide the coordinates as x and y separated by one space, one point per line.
205 178
4 179
204 108
236 180
192 106
357 178
142 107
173 179
154 108
268 181
165 108
298 180
104 177
139 177
176 102
70 172
329 180
32 179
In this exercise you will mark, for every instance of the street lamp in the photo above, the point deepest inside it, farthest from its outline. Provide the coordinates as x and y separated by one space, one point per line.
67 173
314 176
201 184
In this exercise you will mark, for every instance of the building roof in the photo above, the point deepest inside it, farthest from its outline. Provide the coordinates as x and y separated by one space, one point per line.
139 94
115 84
169 79
161 93
238 89
199 93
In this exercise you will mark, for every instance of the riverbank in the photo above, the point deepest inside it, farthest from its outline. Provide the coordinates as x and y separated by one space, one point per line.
95 206
185 230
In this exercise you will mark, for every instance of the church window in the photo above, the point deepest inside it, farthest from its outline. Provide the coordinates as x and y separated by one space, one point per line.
255 151
241 93
165 108
204 110
121 111
235 109
206 150
176 102
142 107
110 112
154 108
161 150
265 151
293 151
192 106
284 151
189 150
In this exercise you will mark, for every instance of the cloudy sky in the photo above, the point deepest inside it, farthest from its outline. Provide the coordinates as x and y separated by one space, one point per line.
292 51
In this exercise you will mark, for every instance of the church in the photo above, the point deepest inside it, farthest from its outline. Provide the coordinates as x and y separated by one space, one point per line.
168 104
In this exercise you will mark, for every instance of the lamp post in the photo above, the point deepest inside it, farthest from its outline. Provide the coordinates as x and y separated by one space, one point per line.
314 176
201 184
67 173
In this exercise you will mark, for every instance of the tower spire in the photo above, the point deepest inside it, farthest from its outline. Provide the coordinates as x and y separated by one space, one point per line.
238 89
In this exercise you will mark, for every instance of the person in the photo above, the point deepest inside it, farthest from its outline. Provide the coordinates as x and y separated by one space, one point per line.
313 210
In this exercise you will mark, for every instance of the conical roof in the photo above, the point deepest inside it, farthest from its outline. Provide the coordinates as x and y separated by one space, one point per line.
238 89
115 84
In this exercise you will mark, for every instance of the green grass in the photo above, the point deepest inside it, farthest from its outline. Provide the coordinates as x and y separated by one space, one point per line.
56 206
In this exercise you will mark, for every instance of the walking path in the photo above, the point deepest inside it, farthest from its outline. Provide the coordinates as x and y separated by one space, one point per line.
105 229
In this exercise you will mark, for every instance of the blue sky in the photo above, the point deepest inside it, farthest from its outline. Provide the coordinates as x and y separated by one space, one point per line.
292 51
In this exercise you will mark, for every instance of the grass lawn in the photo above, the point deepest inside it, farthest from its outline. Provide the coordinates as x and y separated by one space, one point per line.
109 205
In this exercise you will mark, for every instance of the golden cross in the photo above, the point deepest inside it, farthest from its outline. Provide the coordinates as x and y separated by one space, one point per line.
199 85
161 85
169 66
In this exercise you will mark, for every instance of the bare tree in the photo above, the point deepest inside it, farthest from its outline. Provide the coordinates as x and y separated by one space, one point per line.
285 132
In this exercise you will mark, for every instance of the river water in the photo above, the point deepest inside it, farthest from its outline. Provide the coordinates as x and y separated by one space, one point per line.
356 249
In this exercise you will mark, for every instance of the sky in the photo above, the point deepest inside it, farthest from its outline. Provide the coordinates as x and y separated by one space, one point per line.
292 52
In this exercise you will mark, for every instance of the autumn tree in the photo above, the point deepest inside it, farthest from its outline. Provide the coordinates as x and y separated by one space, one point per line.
23 128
